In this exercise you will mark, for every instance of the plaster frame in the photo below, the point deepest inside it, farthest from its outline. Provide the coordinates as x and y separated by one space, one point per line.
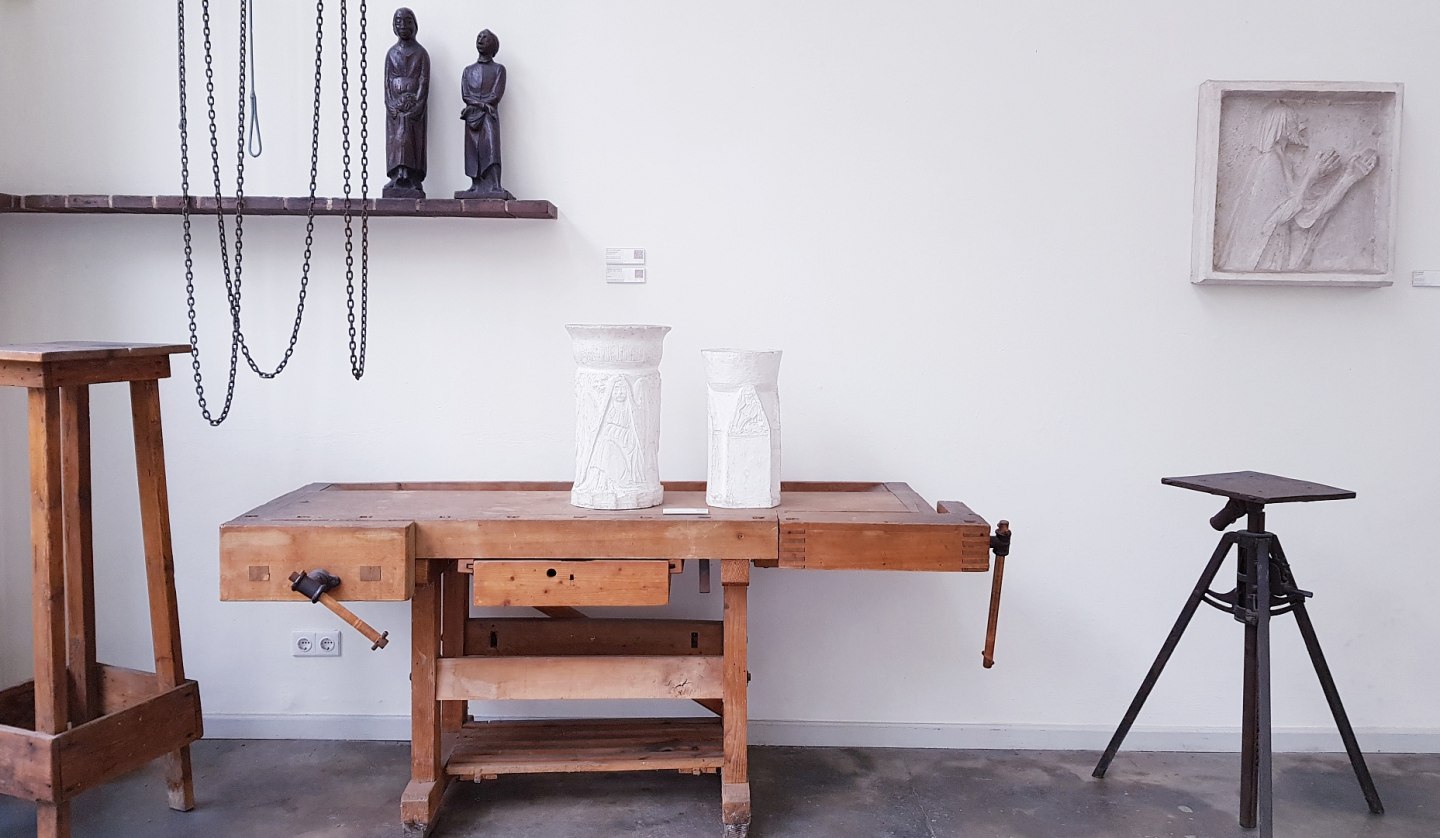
1207 159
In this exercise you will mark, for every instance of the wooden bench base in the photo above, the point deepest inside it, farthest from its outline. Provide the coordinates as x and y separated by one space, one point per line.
139 723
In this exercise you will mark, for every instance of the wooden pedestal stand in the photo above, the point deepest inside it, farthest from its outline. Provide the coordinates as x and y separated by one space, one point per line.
80 723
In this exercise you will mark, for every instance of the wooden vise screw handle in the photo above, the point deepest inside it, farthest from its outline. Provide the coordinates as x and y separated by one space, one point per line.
1000 545
378 639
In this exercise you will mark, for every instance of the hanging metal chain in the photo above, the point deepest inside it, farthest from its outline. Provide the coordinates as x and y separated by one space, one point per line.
189 247
233 273
232 278
357 359
309 214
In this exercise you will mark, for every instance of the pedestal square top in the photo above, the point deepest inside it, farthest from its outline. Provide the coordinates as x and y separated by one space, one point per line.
1258 487
85 350
77 363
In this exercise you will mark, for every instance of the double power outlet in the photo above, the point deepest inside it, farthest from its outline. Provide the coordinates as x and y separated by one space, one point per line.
315 644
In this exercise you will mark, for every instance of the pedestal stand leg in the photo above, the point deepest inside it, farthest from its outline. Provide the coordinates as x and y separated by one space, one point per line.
47 538
735 775
79 553
421 800
1168 648
160 570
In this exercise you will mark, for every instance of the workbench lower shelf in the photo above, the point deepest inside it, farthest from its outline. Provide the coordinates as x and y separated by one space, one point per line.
484 750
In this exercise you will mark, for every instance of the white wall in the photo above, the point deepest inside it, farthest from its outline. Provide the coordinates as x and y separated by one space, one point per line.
970 224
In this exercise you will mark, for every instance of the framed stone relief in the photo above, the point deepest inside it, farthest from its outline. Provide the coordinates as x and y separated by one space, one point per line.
1295 183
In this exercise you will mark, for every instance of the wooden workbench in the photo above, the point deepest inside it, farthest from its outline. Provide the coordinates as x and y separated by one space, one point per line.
446 546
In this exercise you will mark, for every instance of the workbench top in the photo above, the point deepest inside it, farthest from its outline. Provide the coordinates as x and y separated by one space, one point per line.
379 529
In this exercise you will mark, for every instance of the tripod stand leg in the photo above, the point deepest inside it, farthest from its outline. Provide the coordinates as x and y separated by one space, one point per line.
1196 596
1249 732
1327 682
1255 552
1260 558
1342 721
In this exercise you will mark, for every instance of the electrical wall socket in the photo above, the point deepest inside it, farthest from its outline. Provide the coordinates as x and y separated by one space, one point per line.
315 644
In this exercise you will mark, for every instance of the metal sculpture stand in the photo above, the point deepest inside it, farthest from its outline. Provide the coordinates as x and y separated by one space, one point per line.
1265 587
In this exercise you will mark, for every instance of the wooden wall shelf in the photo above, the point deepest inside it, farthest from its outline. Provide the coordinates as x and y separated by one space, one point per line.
260 205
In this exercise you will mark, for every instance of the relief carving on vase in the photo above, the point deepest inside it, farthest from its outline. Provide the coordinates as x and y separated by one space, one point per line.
743 405
617 416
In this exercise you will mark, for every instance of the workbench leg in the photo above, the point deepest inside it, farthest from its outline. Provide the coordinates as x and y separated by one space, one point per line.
420 803
735 775
79 553
160 570
52 820
454 611
47 538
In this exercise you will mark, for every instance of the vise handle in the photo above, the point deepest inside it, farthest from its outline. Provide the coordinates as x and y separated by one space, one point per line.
1000 546
316 586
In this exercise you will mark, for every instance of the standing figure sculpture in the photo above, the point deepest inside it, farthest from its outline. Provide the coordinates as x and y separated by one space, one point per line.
407 90
482 85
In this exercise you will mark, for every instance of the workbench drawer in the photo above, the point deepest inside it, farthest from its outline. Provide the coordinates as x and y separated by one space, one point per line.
571 582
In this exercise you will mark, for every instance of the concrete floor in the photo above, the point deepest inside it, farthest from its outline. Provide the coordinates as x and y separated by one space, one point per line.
351 789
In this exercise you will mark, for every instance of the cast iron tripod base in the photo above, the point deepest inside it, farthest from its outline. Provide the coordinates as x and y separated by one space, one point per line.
1265 587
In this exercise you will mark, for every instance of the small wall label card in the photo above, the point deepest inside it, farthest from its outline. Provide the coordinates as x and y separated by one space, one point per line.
1295 183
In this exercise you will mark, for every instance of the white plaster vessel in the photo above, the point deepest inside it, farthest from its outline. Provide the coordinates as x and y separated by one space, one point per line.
744 409
617 416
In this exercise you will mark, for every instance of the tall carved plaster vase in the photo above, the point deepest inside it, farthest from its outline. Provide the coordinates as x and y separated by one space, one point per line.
617 416
744 409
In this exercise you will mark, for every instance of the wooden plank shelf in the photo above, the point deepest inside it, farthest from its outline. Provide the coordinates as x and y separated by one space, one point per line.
563 745
263 205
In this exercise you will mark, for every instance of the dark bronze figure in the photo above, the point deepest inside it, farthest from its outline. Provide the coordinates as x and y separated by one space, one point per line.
407 90
481 86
